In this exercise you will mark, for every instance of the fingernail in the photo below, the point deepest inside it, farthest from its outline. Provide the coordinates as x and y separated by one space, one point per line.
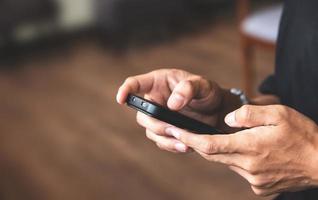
230 119
180 147
173 132
176 101
118 98
119 94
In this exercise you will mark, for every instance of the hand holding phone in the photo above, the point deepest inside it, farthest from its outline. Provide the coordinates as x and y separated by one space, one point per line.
178 90
171 117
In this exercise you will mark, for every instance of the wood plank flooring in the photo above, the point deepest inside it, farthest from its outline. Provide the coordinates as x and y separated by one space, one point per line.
62 136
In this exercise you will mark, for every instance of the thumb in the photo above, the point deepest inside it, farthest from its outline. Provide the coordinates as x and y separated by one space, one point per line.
252 116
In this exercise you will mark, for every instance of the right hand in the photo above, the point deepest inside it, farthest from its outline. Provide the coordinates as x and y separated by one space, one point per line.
180 91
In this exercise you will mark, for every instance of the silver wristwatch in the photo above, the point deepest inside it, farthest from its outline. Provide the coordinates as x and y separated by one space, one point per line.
241 95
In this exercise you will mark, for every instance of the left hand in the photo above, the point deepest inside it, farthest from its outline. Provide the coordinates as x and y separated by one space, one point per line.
279 151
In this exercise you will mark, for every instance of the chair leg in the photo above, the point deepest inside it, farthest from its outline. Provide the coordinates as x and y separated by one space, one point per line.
247 67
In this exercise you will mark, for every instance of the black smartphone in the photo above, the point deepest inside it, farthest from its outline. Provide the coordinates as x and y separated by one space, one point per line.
171 117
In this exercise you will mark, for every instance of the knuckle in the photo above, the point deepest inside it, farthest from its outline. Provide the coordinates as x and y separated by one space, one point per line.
187 85
256 181
139 118
185 139
255 146
257 149
198 77
251 167
207 146
142 119
259 192
166 146
209 158
189 88
245 114
160 131
282 112
160 146
130 79
173 71
145 121
148 135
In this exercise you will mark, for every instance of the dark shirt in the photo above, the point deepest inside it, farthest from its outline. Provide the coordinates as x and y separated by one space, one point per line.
296 74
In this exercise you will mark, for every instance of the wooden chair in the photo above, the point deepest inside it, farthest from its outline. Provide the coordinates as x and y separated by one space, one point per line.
257 29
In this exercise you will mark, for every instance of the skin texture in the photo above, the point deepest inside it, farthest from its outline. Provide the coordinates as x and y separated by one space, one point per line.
179 90
276 151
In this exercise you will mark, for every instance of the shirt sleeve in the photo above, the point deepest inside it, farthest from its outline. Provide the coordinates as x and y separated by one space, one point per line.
269 86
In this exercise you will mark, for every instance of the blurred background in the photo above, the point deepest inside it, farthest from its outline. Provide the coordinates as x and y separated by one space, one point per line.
62 136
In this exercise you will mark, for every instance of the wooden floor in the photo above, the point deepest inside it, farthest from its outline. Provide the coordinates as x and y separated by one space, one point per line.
62 136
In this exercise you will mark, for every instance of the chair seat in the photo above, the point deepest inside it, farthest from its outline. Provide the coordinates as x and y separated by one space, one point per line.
263 24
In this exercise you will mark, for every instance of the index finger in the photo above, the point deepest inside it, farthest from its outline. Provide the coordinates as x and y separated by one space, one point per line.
134 84
239 142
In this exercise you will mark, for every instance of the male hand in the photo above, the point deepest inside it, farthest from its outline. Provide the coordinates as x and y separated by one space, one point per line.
179 90
279 151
